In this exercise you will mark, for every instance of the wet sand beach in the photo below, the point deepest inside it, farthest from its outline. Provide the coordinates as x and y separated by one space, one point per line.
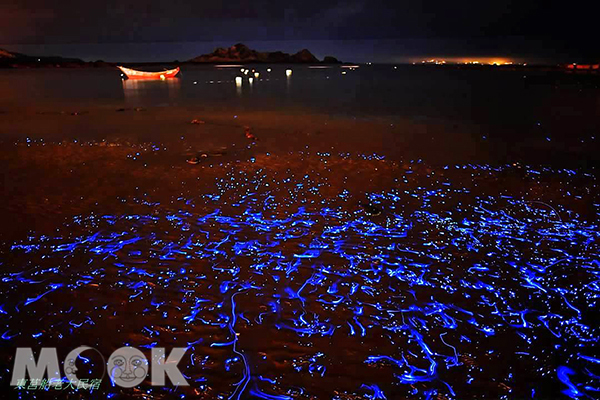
336 256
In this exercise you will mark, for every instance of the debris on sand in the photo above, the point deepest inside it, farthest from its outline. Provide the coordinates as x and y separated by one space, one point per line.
213 153
197 121
134 109
193 160
370 209
249 134
206 154
109 144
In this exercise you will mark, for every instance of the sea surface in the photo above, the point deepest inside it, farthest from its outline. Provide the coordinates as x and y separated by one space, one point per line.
494 96
367 233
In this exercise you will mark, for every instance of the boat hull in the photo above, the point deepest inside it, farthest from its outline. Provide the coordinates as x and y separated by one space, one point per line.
135 74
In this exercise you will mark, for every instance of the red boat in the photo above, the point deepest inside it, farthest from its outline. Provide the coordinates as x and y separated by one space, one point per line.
135 74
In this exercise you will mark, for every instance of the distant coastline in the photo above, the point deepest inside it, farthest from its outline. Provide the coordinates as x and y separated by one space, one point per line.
241 54
238 53
9 59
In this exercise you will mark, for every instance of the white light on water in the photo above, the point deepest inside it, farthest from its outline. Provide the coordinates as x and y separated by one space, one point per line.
245 72
288 72
251 80
238 81
268 69
256 75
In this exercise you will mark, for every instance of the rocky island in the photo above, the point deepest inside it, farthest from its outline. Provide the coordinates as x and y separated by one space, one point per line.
240 53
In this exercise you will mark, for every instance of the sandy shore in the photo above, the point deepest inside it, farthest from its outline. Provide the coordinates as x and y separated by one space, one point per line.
56 159
55 162
365 250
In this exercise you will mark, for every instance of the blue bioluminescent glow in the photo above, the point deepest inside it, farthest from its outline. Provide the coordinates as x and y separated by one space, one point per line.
282 292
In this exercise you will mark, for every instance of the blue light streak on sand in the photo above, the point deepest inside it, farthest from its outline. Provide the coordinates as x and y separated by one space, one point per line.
438 297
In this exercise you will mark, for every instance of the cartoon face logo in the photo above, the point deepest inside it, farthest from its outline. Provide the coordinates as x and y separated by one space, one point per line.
128 367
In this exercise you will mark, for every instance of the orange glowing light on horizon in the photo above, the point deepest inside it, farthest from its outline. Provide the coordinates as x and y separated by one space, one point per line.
487 61
496 61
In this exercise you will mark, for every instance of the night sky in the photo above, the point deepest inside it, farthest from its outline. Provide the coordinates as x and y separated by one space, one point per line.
381 31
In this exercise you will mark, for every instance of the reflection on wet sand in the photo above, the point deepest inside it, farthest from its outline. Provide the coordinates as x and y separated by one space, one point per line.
136 90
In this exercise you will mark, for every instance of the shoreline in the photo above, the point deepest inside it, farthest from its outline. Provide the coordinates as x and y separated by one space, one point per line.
436 141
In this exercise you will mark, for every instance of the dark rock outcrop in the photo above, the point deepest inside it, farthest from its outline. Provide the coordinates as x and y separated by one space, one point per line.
331 60
236 53
304 56
240 53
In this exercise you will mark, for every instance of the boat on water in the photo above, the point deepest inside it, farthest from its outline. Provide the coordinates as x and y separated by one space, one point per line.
584 67
135 74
